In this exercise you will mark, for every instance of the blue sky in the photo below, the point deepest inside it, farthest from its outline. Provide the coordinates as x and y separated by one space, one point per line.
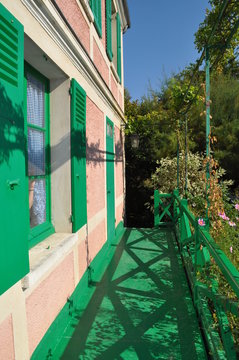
160 41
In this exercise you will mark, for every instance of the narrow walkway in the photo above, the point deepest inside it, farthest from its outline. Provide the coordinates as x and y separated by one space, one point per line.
140 309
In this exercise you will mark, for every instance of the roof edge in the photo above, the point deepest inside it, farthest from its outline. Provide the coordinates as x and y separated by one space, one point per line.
126 9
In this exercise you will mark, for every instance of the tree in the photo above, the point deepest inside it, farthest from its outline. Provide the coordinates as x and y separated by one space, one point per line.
222 53
225 123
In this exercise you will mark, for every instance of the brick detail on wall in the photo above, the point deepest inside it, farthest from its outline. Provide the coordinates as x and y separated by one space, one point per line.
100 63
114 87
7 340
95 159
76 20
120 101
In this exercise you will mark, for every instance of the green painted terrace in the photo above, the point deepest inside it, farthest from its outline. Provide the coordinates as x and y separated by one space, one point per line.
144 296
138 305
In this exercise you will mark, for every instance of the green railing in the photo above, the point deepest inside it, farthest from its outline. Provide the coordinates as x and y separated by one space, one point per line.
201 258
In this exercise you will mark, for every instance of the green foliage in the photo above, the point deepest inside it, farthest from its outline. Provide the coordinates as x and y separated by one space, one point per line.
165 176
131 107
159 124
159 120
225 123
165 179
225 57
156 139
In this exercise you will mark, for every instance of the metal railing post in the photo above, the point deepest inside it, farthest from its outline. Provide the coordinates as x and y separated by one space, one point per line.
156 207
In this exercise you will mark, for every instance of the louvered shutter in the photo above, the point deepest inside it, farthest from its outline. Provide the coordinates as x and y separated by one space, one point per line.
96 9
14 209
118 46
109 30
78 155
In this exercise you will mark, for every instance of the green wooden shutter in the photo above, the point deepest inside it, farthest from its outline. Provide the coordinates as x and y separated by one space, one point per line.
78 155
118 46
96 9
109 30
14 209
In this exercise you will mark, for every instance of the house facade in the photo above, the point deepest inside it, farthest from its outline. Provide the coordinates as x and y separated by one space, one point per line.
61 155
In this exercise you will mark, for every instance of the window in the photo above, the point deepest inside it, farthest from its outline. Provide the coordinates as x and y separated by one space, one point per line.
109 130
96 9
38 149
113 36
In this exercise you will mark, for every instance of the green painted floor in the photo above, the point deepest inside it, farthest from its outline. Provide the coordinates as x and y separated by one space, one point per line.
140 308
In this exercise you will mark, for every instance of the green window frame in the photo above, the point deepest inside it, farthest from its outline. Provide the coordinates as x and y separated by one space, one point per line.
39 231
96 9
108 9
119 65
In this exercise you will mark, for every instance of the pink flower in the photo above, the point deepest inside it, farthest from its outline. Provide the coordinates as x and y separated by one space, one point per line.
201 222
231 249
223 216
231 223
237 206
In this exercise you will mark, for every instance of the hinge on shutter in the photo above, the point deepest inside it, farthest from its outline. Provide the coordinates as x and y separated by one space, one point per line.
70 91
71 218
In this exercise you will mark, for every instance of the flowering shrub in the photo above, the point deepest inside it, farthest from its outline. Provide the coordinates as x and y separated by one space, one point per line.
165 180
224 216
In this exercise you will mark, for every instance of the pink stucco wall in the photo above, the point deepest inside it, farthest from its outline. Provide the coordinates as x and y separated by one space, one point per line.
100 63
119 213
76 20
114 87
82 256
119 162
96 240
46 301
120 101
119 184
6 340
95 159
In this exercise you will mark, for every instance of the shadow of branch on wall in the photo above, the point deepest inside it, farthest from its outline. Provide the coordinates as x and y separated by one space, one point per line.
71 145
12 135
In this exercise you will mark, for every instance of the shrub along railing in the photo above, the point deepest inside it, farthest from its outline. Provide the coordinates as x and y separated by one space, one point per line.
203 260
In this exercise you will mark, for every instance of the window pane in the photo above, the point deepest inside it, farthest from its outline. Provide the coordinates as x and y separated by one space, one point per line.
37 202
35 101
109 130
36 152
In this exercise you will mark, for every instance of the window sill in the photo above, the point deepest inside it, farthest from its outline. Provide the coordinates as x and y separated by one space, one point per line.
45 255
87 9
40 233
